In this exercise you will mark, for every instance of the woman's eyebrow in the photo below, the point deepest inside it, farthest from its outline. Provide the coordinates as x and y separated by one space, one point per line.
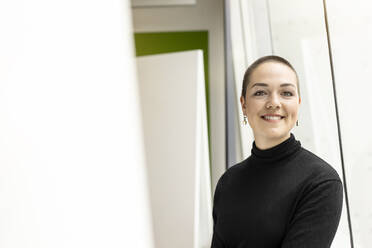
287 84
266 85
259 84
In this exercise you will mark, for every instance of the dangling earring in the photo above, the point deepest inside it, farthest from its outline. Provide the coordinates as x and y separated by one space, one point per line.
297 123
245 120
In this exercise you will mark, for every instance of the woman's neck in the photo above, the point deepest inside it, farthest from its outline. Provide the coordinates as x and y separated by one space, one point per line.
265 142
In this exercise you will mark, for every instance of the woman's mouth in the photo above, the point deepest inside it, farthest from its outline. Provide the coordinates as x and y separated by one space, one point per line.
272 118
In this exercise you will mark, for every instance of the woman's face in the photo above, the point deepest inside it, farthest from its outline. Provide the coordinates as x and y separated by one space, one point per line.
271 103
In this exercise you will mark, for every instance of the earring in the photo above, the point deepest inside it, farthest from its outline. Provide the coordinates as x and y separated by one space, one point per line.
297 123
245 120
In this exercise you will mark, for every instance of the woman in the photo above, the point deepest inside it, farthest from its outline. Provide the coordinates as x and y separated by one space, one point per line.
282 195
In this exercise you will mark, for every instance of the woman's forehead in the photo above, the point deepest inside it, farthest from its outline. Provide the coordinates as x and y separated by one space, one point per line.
273 73
273 68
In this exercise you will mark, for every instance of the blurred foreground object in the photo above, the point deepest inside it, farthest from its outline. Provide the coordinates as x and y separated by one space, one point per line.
71 152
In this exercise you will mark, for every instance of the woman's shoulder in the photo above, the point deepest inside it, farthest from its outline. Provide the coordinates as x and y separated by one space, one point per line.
315 166
232 172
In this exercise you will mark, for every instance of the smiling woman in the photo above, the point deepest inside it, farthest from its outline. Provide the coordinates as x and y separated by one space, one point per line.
282 195
271 100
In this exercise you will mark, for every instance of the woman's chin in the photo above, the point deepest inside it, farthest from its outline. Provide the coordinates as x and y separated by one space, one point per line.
274 133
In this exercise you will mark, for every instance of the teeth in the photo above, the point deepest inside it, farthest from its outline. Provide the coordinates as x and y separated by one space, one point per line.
267 117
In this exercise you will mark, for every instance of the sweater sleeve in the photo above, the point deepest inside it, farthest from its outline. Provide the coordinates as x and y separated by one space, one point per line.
316 217
216 238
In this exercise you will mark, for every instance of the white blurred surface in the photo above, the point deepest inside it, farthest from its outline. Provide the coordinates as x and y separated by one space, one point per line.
71 159
351 36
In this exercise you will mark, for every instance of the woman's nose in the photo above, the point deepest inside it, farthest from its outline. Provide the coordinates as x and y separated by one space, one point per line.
273 102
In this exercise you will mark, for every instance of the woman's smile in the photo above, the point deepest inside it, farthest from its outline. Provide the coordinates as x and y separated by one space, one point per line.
272 118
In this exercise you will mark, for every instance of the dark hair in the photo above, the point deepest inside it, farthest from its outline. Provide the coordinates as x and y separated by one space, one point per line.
269 58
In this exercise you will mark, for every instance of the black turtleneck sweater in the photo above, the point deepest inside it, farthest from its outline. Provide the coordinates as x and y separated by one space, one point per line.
284 196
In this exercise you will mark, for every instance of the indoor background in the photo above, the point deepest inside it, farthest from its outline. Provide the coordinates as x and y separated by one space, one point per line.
118 117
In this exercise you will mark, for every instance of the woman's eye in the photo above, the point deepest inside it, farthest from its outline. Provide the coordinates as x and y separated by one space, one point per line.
287 93
259 93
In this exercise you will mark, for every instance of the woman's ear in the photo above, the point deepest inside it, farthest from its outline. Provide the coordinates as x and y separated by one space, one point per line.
299 100
242 102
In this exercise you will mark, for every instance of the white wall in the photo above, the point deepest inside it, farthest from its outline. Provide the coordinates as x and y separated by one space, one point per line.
351 36
172 91
205 15
71 159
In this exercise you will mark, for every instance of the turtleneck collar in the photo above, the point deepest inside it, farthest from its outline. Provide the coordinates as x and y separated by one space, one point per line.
277 153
